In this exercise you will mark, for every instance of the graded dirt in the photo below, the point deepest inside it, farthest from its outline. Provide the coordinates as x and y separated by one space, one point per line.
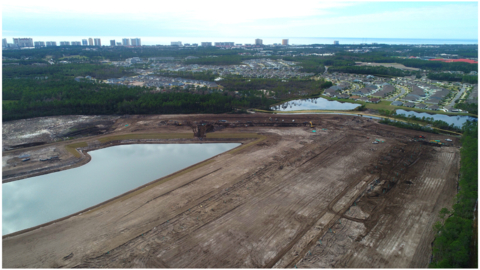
288 197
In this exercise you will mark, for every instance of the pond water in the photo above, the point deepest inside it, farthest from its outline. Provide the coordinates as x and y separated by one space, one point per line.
111 172
337 113
457 120
314 104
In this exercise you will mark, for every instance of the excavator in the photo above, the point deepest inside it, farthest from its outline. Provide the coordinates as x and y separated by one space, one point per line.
311 125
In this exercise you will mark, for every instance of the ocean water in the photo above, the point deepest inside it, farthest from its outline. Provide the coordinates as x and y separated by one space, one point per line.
251 40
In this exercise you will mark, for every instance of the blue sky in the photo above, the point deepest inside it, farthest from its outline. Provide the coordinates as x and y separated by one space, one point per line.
357 19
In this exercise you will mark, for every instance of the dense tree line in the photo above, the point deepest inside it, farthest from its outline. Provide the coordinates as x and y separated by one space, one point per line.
376 70
61 97
454 242
469 107
97 71
472 79
317 64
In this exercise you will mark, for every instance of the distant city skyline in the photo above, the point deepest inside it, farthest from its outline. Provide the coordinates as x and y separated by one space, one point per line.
357 19
209 41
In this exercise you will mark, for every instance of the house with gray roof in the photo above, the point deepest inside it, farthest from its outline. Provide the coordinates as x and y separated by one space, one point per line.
421 106
396 103
412 97
330 92
417 91
386 90
363 92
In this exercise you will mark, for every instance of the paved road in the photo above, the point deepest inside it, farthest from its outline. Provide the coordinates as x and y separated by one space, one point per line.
402 92
460 93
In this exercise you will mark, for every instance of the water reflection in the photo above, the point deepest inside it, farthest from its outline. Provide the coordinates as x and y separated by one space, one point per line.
456 120
314 104
111 172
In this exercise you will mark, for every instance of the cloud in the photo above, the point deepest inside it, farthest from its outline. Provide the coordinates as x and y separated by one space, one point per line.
245 18
208 13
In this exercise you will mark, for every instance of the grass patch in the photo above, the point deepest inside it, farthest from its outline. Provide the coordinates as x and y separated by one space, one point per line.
72 148
261 138
4 102
239 136
232 135
147 136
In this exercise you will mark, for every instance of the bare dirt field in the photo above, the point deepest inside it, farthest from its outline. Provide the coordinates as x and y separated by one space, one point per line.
288 198
394 65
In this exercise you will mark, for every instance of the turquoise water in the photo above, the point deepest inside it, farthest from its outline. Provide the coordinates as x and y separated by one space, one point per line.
111 172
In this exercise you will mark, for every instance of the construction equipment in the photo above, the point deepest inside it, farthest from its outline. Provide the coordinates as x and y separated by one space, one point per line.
311 125
201 131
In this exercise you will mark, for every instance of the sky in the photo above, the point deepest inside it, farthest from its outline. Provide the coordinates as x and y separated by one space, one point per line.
246 18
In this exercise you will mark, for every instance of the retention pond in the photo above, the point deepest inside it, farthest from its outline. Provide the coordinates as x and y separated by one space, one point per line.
314 104
111 172
456 120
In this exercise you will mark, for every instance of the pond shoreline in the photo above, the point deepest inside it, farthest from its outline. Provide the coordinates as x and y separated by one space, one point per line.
87 158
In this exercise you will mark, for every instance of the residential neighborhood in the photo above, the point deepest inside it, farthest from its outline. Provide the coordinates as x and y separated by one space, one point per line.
402 91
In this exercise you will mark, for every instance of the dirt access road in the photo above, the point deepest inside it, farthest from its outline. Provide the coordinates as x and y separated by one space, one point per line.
291 198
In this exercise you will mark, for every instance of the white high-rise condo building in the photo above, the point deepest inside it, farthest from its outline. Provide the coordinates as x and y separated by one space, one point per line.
206 44
84 42
258 41
136 42
23 42
51 43
76 43
176 43
64 43
112 42
39 44
224 44
90 41
98 42
126 42
4 43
